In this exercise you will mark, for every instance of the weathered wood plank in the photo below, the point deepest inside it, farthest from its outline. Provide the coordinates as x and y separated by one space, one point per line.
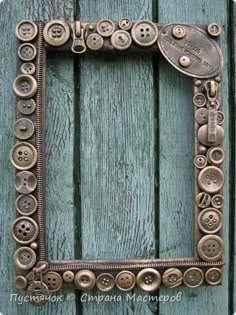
60 130
176 161
117 154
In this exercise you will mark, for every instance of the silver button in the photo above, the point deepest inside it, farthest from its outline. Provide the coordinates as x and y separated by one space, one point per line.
26 204
184 61
28 68
121 40
85 280
179 32
68 276
211 179
144 33
105 27
203 200
210 248
203 135
213 276
25 182
27 52
210 220
199 100
94 41
25 86
125 24
56 33
26 107
26 30
201 116
23 156
218 201
24 128
21 283
53 281
216 155
220 118
105 282
200 161
214 30
125 280
24 230
24 258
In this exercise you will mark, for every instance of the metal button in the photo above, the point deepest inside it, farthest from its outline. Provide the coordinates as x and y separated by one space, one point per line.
24 128
26 107
21 283
214 29
203 135
193 277
25 86
25 182
24 230
26 30
216 156
220 118
200 161
27 52
125 24
184 61
94 41
203 200
68 276
144 33
28 68
210 248
149 279
210 220
213 276
199 100
85 280
34 245
53 281
202 149
121 40
172 278
217 201
56 33
24 258
201 116
105 282
125 280
105 27
211 179
179 32
23 156
38 291
26 204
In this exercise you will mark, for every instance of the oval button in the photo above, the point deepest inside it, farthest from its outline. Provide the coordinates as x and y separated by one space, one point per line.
25 86
85 280
210 248
213 276
149 279
144 33
23 156
193 277
53 281
24 258
125 280
24 230
211 179
25 182
26 204
105 282
26 107
24 128
195 45
210 220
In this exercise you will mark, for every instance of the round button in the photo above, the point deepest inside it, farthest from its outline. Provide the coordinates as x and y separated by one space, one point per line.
24 230
24 258
27 52
23 156
25 182
56 33
200 161
53 281
21 283
210 248
220 118
28 68
24 128
214 29
38 290
217 201
68 276
26 204
184 61
216 156
25 86
203 135
149 279
26 107
210 220
213 276
94 41
203 200
172 278
211 179
26 30
125 24
105 282
144 33
125 280
105 27
179 32
201 116
85 280
121 40
193 277
202 149
199 100
34 245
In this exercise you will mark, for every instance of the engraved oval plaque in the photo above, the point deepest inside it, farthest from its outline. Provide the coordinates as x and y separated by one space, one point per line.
204 53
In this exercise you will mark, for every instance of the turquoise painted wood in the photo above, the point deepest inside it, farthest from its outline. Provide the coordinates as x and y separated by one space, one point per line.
109 148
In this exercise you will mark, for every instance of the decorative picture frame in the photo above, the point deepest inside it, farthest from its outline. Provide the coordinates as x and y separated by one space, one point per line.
193 50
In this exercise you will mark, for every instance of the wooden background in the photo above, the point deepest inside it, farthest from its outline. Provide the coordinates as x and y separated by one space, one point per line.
119 163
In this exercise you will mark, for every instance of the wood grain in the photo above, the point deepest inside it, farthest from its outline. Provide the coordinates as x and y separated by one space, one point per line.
60 133
176 161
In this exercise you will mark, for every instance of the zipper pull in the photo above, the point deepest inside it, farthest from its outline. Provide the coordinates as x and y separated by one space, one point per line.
78 45
211 88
